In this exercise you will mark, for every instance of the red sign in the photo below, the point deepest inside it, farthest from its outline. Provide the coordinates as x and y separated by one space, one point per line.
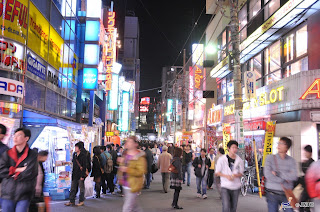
197 77
144 109
214 115
252 126
145 101
313 89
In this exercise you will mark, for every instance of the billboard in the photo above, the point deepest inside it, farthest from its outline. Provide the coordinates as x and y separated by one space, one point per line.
125 112
11 87
55 49
169 109
145 101
90 78
11 55
191 93
113 94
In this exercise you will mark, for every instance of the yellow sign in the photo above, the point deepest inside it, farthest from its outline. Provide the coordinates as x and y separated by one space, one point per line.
271 128
55 49
14 14
226 136
109 133
275 95
38 34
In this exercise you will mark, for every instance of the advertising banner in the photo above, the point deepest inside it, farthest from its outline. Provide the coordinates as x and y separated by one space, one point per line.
191 93
268 142
11 87
38 33
36 66
56 49
14 15
226 136
249 83
11 55
90 78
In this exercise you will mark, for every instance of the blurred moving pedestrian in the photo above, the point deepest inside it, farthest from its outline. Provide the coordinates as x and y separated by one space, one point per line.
170 148
149 158
201 166
110 175
211 157
114 156
18 171
279 170
176 177
217 179
38 196
163 165
103 156
230 168
97 170
313 184
186 164
3 148
79 174
133 166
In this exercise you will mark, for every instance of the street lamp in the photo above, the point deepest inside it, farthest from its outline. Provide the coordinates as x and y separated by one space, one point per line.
211 49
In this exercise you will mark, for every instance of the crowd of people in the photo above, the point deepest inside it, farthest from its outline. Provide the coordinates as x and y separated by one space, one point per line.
129 168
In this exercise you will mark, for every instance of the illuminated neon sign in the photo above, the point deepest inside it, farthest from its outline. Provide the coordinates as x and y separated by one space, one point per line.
111 48
313 89
197 77
90 78
214 115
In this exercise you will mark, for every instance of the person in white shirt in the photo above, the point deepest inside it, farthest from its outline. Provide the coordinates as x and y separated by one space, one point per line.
230 168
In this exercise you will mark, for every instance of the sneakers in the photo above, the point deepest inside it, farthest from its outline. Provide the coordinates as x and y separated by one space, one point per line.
204 196
80 204
199 195
69 204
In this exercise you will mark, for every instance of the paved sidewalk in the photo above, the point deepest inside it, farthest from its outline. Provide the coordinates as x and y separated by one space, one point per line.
154 199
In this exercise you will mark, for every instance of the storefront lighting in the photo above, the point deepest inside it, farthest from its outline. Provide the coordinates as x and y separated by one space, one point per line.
211 49
116 68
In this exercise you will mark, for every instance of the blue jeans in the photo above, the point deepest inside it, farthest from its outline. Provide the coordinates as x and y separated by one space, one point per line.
202 181
275 200
229 199
12 206
186 168
148 179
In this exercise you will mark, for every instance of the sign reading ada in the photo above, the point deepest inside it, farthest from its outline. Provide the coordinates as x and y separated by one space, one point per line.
11 87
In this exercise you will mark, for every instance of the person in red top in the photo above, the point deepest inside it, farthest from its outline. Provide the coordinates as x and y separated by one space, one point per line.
312 179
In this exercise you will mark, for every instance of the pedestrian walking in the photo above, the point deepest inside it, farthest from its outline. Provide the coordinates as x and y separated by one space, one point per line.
163 165
217 179
170 148
103 156
132 168
201 166
176 177
280 171
38 197
18 171
230 168
79 174
149 157
186 164
97 170
114 156
313 184
110 176
211 157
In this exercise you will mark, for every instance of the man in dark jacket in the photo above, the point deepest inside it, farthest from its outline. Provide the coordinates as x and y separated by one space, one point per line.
111 176
3 147
79 161
201 165
149 157
114 155
19 170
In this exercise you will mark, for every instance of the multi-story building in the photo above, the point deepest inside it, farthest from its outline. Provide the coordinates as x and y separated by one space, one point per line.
278 42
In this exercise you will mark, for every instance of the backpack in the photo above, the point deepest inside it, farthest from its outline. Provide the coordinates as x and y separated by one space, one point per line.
108 167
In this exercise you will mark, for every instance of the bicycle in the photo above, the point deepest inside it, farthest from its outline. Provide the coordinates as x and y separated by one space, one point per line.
247 181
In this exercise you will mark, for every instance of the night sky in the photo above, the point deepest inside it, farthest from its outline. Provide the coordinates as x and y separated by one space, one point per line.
170 20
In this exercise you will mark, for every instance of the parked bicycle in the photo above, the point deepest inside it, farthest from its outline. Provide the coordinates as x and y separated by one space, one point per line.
247 181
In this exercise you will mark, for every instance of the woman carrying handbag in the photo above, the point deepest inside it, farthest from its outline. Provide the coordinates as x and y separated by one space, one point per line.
97 170
176 176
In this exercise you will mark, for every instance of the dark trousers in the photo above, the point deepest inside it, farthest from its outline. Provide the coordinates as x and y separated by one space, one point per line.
148 179
210 178
103 183
74 189
110 184
97 187
176 197
229 199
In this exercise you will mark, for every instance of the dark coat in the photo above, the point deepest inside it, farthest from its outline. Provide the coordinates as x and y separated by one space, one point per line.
177 162
22 186
149 157
114 156
77 172
96 167
88 159
198 161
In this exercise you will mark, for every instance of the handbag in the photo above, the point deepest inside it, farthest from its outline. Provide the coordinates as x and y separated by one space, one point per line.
172 168
288 192
81 168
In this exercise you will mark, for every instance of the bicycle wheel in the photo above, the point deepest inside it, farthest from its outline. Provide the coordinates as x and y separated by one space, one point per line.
243 187
251 184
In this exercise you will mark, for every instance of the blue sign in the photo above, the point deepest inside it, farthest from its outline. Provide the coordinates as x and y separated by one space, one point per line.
90 78
35 67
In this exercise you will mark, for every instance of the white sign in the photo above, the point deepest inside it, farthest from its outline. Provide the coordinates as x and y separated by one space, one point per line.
12 55
11 87
249 83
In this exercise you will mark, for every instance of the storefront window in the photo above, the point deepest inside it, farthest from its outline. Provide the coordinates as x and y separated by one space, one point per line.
34 94
288 48
296 67
255 6
270 8
302 41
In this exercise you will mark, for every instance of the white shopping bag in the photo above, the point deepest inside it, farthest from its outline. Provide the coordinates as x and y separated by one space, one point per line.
88 187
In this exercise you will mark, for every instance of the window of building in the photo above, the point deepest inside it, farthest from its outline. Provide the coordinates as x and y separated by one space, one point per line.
273 77
302 41
243 15
254 7
43 6
34 94
270 7
272 69
56 19
288 48
296 67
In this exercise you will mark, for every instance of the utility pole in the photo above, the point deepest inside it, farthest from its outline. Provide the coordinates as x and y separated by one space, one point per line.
184 101
235 65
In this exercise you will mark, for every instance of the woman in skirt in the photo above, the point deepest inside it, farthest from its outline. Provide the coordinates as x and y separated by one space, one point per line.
176 177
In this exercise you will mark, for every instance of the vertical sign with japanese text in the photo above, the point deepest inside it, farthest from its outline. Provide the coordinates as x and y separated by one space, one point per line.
268 142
